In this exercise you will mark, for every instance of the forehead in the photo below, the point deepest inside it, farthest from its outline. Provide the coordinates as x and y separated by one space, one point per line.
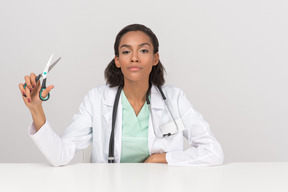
135 37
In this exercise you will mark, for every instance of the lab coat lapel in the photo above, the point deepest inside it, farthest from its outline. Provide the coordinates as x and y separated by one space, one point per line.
157 110
108 105
157 107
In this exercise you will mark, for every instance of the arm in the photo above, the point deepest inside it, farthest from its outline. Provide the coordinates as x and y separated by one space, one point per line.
61 150
156 158
204 149
30 96
38 117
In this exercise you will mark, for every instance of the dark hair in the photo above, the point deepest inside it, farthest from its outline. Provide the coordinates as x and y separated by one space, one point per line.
114 76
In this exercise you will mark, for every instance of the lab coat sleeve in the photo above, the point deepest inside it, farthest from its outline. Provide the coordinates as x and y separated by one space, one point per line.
204 148
59 150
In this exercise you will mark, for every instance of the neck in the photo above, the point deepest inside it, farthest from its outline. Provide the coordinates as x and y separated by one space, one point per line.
136 91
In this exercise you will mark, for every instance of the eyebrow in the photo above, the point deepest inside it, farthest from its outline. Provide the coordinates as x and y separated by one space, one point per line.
129 46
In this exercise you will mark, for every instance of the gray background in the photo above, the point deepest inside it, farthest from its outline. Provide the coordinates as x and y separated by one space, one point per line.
229 57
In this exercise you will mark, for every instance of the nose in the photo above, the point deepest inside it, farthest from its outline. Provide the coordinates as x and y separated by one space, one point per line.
134 58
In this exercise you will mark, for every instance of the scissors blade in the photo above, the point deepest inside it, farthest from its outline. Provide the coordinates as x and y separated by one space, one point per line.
51 66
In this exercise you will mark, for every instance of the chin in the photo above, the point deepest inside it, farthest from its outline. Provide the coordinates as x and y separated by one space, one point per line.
135 80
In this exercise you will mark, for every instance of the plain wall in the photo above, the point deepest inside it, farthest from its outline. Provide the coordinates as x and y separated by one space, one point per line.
229 57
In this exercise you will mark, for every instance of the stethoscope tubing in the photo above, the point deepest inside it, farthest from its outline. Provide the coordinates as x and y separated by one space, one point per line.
111 158
114 115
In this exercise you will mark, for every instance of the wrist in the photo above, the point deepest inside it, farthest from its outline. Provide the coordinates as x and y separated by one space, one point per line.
160 158
38 117
36 110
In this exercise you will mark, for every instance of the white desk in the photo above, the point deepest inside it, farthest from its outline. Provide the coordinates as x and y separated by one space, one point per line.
233 177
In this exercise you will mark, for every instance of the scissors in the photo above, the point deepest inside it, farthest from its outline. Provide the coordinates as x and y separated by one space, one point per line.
44 74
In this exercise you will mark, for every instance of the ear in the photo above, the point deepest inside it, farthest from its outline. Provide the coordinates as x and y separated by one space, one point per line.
156 59
116 60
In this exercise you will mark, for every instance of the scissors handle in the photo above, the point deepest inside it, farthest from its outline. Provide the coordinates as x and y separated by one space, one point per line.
42 89
40 95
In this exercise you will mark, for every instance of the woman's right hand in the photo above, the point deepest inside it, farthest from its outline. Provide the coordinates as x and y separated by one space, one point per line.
31 91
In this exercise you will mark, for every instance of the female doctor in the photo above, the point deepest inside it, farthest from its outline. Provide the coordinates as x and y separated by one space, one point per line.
134 118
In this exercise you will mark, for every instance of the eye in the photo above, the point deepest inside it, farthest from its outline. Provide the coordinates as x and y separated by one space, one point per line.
144 51
125 52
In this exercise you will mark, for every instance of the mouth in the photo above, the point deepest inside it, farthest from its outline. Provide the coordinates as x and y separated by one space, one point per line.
134 68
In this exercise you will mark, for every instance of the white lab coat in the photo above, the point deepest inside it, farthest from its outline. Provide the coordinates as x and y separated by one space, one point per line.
93 124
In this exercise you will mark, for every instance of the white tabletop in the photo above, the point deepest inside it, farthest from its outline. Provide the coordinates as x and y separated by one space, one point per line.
144 177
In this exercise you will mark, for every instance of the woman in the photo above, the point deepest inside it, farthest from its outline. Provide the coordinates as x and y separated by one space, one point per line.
144 132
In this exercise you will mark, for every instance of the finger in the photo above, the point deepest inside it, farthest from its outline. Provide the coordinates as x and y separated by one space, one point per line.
22 90
28 95
38 85
28 83
46 91
36 89
33 80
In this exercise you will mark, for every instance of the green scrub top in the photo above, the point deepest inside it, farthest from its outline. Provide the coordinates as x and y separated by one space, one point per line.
134 133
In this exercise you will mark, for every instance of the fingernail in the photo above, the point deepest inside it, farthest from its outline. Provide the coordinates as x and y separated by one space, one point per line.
29 101
31 90
33 86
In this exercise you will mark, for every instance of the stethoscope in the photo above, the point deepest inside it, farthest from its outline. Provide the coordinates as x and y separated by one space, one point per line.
111 158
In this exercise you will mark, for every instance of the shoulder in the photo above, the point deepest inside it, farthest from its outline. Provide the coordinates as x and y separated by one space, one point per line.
100 90
170 87
100 94
172 91
177 98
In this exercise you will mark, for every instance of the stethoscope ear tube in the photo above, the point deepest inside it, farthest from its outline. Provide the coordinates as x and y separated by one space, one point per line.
161 92
111 158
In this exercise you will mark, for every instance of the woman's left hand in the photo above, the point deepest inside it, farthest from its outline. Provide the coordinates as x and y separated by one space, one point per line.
156 158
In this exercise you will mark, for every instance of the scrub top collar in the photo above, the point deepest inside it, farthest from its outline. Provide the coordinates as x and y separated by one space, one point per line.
156 98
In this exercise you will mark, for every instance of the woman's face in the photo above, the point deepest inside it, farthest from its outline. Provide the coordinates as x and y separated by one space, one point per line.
136 57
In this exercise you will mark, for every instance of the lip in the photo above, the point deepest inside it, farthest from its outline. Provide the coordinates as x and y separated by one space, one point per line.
134 68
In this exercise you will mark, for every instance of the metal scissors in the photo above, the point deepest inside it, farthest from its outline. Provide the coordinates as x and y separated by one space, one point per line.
44 74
